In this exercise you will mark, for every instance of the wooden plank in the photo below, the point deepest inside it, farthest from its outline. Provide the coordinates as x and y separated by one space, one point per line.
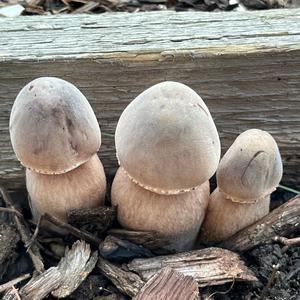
245 65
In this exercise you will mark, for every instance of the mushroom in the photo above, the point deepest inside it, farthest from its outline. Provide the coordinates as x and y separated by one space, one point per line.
176 217
55 135
168 148
248 173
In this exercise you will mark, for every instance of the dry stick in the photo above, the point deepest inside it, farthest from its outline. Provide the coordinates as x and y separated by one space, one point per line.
13 282
287 242
281 221
271 280
25 234
11 210
84 235
35 234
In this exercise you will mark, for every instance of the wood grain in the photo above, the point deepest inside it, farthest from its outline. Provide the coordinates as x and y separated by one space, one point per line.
245 65
209 266
168 284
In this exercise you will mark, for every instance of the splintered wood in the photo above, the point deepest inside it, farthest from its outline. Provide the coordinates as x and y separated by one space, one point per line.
61 280
169 284
210 266
279 222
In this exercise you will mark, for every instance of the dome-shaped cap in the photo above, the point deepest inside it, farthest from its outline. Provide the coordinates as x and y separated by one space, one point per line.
53 128
166 139
251 168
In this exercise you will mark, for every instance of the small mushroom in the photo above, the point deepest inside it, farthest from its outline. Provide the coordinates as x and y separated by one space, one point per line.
175 217
166 139
55 135
168 147
248 173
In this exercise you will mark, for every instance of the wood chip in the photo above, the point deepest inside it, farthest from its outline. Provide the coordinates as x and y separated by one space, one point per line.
75 267
93 219
210 266
168 284
126 282
115 249
63 279
150 240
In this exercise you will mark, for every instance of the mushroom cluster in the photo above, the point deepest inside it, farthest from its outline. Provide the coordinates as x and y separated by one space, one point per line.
56 136
168 148
248 173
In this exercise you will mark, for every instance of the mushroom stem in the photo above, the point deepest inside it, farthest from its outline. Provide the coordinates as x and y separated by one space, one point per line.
225 217
83 187
175 217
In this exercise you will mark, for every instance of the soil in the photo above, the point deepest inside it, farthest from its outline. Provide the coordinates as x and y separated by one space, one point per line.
278 271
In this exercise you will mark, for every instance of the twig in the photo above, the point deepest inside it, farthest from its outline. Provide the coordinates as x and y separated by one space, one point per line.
84 235
24 231
271 280
287 242
35 234
222 293
13 282
11 210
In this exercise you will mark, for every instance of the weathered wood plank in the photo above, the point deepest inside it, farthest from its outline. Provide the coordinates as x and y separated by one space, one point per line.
245 65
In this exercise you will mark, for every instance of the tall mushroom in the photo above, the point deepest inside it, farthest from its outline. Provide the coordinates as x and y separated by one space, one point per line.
168 145
248 173
56 136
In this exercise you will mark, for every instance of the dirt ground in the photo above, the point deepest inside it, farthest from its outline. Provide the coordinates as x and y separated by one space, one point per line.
278 271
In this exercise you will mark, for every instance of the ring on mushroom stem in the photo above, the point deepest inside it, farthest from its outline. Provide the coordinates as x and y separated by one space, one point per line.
176 217
248 173
55 135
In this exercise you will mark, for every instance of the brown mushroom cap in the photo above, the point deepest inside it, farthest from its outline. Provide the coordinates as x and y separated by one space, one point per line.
175 217
53 128
251 168
166 139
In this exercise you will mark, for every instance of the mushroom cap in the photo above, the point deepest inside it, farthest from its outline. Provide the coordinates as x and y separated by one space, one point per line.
166 139
251 168
224 218
53 128
83 187
175 217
